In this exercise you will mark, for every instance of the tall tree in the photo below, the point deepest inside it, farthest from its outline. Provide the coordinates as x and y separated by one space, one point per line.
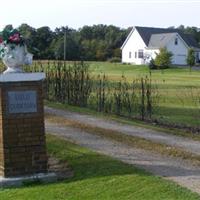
44 38
29 33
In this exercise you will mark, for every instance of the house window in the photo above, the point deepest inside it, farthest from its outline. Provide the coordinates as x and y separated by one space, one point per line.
129 54
176 41
136 54
140 53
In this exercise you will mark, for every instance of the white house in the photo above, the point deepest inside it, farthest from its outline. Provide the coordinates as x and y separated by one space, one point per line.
143 44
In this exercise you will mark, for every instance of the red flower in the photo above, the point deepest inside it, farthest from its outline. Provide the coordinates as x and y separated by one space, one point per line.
15 37
1 40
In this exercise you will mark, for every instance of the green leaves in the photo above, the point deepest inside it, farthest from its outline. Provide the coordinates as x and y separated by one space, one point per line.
8 33
2 52
163 59
9 36
191 57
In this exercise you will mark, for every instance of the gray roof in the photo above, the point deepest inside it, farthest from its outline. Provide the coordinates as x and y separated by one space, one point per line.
160 40
147 32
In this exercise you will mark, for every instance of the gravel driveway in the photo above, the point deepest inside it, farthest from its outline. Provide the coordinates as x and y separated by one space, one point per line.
155 136
177 170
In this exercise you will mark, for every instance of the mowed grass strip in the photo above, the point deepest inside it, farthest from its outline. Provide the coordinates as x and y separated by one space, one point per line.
98 177
173 76
127 139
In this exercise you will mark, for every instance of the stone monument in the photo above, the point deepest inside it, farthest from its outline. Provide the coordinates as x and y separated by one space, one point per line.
22 132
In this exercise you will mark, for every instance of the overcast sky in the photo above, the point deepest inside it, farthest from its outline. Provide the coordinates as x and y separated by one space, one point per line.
77 13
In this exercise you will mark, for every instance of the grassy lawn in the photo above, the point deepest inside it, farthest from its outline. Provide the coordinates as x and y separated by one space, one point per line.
179 89
98 177
174 84
169 77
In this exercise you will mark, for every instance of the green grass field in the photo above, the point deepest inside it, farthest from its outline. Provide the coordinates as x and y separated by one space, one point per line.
98 177
178 88
173 76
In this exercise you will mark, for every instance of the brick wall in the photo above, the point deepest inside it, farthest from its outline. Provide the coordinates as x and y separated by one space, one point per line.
22 135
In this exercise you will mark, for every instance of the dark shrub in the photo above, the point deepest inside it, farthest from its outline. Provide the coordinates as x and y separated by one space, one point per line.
152 64
115 60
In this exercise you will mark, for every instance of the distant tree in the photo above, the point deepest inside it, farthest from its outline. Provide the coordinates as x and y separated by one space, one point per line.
8 27
163 59
44 37
100 50
171 27
57 48
194 31
72 46
191 58
98 42
117 52
29 34
86 33
181 27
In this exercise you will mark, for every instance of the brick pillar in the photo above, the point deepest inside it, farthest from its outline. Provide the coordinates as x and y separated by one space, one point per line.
22 133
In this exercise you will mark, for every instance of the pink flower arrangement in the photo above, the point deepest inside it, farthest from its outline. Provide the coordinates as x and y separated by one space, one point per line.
14 38
11 36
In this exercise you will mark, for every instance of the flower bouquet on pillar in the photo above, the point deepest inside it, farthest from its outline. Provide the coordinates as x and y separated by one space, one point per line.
13 51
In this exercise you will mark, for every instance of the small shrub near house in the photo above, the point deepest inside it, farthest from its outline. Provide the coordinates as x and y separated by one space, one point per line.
115 60
191 58
152 64
163 59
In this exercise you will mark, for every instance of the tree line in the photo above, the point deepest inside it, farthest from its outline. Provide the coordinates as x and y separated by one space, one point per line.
97 42
91 43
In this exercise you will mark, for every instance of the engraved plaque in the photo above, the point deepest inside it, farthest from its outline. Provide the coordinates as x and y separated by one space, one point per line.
22 101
